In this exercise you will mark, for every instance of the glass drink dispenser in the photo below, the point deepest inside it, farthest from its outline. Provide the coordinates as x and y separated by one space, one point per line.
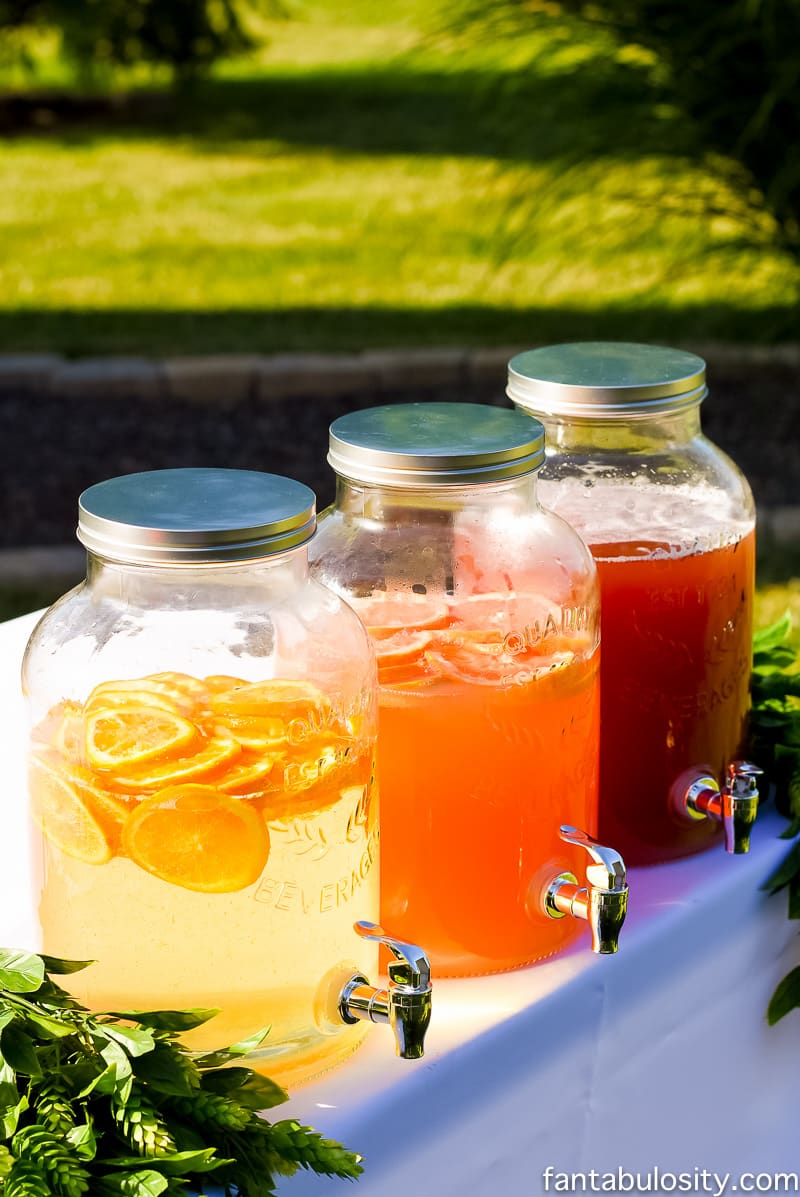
202 773
483 610
670 521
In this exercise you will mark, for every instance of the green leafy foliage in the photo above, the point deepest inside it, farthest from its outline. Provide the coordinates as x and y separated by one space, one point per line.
186 35
114 1104
775 734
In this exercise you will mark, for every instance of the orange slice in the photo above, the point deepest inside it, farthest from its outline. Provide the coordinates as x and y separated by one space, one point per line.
199 838
122 738
221 748
253 732
218 683
402 647
385 616
61 809
464 663
155 691
248 776
280 698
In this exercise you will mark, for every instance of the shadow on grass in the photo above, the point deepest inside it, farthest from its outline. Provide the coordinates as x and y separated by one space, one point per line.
598 108
270 330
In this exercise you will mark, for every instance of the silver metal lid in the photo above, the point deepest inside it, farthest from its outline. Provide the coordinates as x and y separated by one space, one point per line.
605 379
435 444
191 516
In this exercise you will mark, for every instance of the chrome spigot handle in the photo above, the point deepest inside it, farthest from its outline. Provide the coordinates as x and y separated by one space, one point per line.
411 968
608 870
696 794
739 804
603 903
405 1004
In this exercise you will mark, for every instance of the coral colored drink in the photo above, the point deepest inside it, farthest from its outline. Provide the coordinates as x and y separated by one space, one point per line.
211 811
487 743
677 633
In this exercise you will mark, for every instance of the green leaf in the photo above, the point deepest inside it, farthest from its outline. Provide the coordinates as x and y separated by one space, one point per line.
243 1048
144 1182
10 1113
794 898
177 1163
248 1088
59 967
135 1040
20 972
167 1020
50 1028
792 831
120 1065
785 998
19 1051
6 1160
260 1093
780 657
83 1141
774 635
163 1073
784 872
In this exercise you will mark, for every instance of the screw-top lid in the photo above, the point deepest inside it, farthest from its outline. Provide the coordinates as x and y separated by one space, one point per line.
435 444
605 379
170 517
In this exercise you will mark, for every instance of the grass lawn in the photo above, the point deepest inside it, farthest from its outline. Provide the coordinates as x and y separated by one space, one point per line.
373 180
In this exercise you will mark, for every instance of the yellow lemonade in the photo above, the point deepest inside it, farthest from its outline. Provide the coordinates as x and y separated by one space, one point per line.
210 842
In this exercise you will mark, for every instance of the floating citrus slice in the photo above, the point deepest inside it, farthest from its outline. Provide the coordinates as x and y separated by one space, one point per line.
458 662
61 807
248 775
256 733
122 738
155 691
282 699
218 683
199 838
402 647
385 616
215 753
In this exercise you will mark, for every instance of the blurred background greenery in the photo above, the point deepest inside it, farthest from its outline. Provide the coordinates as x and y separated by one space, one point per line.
218 175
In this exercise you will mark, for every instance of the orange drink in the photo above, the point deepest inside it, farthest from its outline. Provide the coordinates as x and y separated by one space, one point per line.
677 645
488 741
209 841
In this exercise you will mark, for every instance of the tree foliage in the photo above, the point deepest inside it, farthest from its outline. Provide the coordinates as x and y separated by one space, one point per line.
185 35
732 66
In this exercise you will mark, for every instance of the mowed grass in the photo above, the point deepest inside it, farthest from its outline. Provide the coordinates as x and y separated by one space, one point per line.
383 180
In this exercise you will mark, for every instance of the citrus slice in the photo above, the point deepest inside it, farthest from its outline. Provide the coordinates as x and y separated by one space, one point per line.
152 691
215 753
385 616
249 774
458 662
402 647
253 732
280 698
122 738
60 809
218 683
196 837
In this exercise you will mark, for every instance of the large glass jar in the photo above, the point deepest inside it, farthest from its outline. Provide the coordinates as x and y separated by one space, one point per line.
483 609
201 764
671 523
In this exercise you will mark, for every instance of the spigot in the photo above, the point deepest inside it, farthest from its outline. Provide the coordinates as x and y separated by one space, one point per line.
406 1002
697 795
603 903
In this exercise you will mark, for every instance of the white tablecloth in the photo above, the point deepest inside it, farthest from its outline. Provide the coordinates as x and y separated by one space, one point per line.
657 1057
